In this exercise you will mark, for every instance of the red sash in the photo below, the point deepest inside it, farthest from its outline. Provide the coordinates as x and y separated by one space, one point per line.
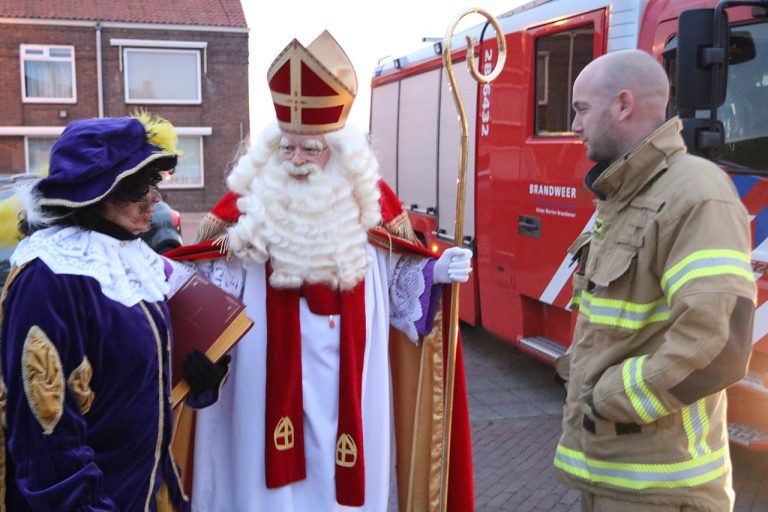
284 429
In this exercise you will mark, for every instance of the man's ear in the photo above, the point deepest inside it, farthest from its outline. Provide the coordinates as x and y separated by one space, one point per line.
626 104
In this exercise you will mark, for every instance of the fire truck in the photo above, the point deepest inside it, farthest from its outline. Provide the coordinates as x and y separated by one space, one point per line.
525 199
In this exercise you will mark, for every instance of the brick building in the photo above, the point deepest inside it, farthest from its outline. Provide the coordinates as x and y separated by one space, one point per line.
186 60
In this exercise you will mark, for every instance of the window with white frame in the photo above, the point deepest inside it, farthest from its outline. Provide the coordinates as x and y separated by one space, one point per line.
47 73
38 152
189 169
168 76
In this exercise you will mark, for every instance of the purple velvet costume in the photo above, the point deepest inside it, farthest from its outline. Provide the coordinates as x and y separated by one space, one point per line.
116 455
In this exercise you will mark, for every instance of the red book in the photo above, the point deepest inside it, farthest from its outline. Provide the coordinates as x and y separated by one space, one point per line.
206 318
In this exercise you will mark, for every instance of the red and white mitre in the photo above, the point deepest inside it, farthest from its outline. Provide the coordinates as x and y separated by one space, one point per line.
312 88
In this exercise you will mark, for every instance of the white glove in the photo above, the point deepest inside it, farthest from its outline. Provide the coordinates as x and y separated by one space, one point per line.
454 265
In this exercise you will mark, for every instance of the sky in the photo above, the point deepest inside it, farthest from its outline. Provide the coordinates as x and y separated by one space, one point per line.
368 32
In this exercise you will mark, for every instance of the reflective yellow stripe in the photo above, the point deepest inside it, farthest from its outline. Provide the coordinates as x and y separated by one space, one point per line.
696 424
706 263
646 404
695 472
575 299
622 313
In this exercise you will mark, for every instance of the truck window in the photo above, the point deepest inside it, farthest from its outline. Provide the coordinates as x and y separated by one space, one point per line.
560 57
744 113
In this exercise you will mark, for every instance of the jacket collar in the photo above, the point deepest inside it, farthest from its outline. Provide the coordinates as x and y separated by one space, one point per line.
628 175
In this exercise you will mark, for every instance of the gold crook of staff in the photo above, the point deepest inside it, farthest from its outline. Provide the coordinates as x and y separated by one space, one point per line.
459 225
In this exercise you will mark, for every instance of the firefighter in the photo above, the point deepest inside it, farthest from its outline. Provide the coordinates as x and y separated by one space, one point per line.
665 294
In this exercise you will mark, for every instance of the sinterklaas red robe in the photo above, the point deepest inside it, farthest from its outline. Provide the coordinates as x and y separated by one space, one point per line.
418 377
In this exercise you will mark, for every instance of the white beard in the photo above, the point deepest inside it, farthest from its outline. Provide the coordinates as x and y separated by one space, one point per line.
309 229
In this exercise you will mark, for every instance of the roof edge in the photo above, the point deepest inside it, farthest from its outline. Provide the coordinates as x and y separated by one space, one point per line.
122 24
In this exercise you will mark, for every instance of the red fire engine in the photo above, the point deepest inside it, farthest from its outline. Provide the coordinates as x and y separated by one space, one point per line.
525 199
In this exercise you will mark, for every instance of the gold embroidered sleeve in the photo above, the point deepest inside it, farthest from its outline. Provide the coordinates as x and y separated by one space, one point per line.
79 382
43 379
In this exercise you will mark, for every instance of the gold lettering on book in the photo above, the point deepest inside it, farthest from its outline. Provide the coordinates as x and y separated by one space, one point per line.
283 434
346 451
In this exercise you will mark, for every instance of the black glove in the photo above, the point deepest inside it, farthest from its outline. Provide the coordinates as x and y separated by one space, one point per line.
202 374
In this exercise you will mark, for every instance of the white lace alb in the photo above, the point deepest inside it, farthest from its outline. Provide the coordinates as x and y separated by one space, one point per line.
225 273
127 271
406 288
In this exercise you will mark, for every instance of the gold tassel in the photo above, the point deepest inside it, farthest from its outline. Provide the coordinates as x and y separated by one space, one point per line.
400 226
222 242
210 227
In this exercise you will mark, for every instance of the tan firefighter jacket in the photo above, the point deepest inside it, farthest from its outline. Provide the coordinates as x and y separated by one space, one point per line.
665 293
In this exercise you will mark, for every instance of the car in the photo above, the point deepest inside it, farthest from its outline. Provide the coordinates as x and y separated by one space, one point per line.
164 234
9 220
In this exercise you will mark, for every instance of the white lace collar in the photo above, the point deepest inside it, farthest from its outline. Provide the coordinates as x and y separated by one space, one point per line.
128 271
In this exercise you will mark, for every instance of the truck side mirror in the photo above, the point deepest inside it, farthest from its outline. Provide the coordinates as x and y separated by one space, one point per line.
699 57
702 138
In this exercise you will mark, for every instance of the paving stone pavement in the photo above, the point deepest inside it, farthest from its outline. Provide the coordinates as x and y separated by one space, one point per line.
515 409
190 221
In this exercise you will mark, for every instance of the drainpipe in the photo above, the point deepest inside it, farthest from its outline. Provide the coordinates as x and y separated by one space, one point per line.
99 80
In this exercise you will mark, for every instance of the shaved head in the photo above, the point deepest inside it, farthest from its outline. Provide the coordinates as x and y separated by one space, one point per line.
619 99
632 70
